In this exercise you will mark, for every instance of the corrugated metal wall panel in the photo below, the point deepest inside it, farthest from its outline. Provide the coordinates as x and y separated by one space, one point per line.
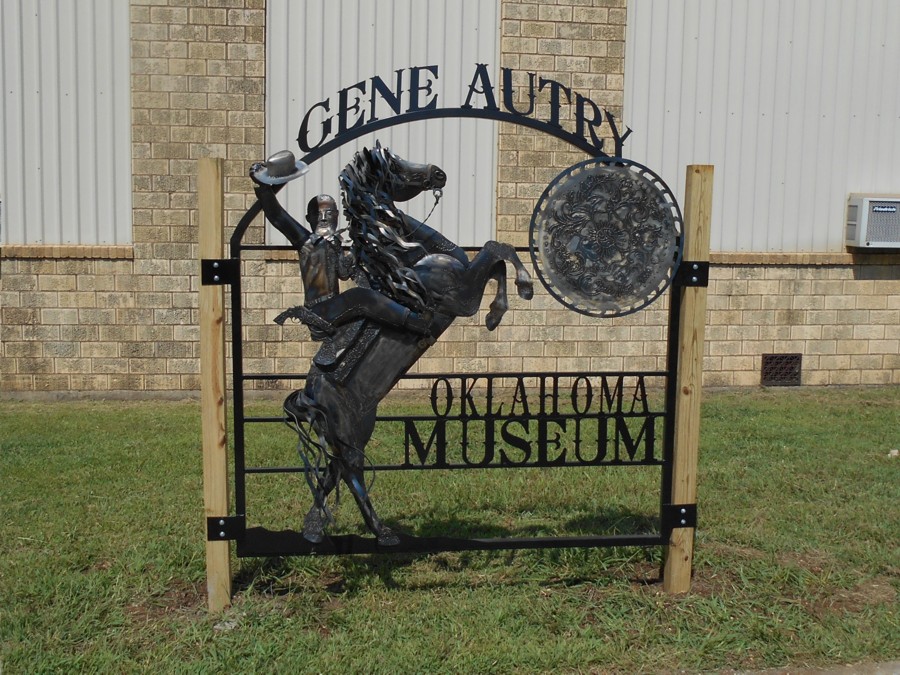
796 102
65 132
317 47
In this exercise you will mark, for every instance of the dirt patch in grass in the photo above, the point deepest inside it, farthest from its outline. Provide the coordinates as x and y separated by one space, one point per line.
179 598
870 593
710 583
646 574
814 562
723 551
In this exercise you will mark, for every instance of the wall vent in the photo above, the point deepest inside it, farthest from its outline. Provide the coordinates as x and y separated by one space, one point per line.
873 221
781 370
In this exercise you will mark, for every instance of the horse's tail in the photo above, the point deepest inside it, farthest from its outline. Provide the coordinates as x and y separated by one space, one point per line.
304 416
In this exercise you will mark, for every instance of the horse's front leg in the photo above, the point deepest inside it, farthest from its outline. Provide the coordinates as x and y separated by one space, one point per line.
485 266
524 283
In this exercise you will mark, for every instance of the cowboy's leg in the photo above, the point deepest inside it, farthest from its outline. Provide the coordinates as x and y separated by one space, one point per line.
365 303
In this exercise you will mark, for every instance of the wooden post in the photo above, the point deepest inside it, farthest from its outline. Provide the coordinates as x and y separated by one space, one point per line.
697 218
212 383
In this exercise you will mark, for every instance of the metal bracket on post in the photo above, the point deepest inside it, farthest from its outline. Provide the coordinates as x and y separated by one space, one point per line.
692 273
218 272
225 528
675 516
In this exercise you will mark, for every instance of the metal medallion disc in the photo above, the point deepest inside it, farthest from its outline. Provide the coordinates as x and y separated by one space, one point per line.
606 237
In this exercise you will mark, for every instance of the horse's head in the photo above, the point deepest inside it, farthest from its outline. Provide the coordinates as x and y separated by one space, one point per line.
381 171
408 179
378 230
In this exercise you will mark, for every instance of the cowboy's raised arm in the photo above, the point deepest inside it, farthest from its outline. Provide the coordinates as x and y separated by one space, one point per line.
277 170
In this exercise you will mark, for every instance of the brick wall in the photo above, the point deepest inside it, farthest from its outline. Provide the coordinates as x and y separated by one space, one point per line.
72 320
103 319
576 44
198 70
843 318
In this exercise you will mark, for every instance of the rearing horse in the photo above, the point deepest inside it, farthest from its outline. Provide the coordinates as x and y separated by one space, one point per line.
414 265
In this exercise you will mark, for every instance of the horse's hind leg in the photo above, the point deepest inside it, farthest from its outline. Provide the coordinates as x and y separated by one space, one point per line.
353 464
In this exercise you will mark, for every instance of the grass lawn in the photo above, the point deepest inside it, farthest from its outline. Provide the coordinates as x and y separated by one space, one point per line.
797 558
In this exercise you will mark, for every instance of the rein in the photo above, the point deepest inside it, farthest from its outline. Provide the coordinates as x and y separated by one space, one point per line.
438 193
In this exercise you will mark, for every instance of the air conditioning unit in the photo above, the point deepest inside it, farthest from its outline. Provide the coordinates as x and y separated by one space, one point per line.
873 221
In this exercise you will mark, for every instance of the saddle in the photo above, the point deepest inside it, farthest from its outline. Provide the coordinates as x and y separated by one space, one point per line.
342 346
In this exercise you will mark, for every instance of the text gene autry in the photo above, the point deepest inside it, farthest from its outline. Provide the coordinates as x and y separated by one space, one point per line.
416 90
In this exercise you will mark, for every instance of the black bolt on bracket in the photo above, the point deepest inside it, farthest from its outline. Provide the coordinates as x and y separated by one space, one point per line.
225 528
692 273
678 515
218 272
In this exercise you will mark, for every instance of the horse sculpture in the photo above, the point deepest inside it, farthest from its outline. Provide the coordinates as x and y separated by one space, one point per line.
414 265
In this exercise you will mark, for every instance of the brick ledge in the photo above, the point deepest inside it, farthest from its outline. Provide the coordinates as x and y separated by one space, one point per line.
717 258
736 258
56 251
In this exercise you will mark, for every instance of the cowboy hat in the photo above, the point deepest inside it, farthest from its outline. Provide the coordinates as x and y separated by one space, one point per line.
279 168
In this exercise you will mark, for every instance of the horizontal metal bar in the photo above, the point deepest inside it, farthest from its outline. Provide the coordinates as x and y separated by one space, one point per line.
288 247
473 376
459 467
273 469
547 417
260 542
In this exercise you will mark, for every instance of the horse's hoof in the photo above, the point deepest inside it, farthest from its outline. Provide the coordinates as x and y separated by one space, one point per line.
492 320
388 537
314 527
526 290
313 537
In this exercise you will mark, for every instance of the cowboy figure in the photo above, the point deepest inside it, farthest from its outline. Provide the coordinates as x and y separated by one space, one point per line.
322 261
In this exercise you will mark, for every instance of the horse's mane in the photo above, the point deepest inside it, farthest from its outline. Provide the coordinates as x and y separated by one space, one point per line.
375 226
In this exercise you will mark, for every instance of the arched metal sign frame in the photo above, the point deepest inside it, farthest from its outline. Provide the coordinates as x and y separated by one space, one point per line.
261 541
478 113
496 115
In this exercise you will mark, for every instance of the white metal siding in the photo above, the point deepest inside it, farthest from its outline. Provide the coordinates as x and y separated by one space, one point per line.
317 47
65 132
795 102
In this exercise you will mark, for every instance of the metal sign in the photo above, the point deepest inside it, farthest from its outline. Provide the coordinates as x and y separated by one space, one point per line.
606 240
606 237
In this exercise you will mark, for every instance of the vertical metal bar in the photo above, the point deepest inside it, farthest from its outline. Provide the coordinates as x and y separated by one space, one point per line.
237 396
675 295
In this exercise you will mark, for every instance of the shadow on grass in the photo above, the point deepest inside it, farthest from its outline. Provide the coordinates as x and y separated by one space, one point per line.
351 573
604 523
263 575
